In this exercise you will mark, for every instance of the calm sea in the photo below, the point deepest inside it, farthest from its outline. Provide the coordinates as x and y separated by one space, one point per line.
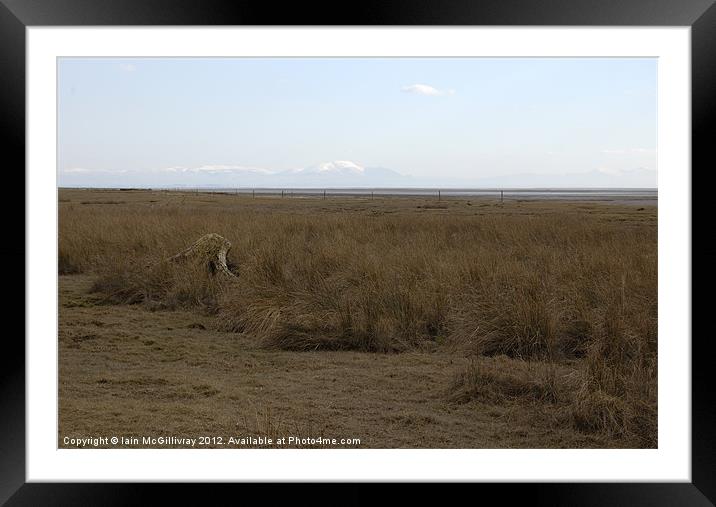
581 194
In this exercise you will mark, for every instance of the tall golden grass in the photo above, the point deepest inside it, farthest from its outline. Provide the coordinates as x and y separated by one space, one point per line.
546 287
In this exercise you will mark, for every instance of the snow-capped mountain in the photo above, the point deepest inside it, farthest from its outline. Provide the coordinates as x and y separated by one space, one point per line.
332 174
340 173
218 169
333 167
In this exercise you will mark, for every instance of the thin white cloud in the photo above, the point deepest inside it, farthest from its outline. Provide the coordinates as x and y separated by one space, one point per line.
127 67
423 89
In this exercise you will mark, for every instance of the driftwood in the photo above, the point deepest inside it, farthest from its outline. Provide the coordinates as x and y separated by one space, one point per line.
210 251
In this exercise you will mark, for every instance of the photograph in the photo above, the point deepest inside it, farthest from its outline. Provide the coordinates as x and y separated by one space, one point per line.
350 253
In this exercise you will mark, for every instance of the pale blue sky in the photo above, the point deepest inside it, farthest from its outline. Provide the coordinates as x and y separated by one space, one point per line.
459 118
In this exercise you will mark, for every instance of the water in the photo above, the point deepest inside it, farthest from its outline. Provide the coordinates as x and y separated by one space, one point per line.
641 195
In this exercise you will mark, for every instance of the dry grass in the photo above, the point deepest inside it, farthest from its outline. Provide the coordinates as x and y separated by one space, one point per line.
536 282
499 380
263 422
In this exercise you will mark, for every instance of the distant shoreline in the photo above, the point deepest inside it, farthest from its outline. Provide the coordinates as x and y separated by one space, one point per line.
628 196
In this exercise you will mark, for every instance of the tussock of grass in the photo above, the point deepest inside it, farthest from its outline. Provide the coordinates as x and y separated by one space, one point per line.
66 265
518 319
266 423
618 389
159 284
501 380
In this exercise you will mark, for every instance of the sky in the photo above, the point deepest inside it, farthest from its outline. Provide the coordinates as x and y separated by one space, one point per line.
461 121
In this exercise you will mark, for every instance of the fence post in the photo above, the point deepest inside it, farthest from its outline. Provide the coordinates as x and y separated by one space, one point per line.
439 197
502 196
324 193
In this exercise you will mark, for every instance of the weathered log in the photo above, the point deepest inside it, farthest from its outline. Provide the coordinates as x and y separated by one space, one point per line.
210 250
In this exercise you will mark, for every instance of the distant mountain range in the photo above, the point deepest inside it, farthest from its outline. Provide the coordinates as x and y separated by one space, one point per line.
338 173
341 174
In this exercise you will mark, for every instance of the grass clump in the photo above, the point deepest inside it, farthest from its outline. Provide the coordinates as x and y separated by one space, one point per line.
500 380
160 285
618 388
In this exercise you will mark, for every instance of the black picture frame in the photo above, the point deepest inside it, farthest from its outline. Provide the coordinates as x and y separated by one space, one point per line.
17 15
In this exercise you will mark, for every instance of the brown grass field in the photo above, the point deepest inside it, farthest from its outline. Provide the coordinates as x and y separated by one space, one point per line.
403 322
